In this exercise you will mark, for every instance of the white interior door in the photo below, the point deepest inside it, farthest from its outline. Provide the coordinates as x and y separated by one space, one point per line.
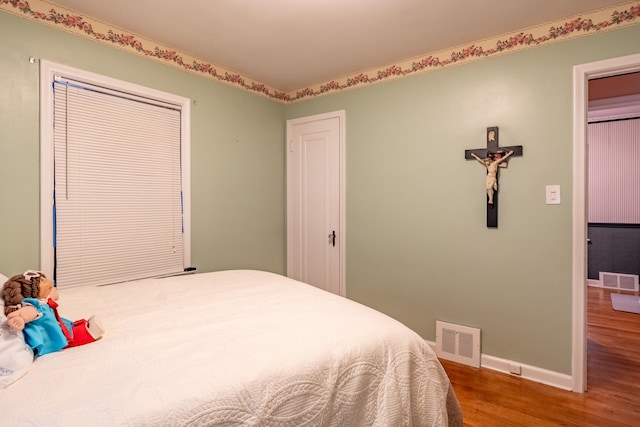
315 201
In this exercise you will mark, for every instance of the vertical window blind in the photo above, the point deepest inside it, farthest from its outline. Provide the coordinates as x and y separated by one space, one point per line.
614 181
117 186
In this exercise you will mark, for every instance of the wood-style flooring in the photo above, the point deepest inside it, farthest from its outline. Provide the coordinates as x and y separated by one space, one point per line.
490 398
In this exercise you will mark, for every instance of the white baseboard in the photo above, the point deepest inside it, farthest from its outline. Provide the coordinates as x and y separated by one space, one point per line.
532 373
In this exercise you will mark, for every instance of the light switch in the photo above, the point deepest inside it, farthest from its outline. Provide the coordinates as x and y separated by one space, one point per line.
553 194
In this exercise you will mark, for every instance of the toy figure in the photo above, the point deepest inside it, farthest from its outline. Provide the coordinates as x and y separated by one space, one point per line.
492 162
30 307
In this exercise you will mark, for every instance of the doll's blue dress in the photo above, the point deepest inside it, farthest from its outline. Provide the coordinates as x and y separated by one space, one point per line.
44 334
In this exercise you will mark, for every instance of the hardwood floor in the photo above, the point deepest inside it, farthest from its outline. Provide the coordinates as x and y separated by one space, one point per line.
490 398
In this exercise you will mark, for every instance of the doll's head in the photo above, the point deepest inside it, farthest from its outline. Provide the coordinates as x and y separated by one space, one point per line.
31 284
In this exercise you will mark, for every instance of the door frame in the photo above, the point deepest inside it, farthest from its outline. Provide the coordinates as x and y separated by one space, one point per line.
581 75
340 115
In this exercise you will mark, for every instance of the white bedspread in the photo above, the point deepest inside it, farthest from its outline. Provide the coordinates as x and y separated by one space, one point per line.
231 348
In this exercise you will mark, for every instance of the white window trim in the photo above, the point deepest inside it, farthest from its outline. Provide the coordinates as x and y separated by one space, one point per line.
47 72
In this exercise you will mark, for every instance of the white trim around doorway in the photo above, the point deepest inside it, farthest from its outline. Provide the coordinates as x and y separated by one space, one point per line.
581 75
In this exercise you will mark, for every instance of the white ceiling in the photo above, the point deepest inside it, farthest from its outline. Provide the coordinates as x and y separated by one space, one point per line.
294 44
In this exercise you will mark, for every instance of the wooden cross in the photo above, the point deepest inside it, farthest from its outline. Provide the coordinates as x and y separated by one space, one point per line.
488 156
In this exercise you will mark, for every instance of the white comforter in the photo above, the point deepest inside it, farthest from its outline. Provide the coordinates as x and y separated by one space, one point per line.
231 348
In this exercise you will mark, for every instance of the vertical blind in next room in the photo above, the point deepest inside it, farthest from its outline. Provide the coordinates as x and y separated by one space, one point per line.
118 206
614 171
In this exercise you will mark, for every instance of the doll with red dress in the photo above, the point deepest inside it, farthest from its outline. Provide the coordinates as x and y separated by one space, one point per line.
30 306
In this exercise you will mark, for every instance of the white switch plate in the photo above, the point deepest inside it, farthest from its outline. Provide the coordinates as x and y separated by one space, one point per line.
553 194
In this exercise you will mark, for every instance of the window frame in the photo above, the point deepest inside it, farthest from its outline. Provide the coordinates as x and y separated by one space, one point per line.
48 71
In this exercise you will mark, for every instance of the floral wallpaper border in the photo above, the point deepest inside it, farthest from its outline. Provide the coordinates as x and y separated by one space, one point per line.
614 17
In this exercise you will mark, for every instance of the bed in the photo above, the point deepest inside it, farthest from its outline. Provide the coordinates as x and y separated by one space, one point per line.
232 348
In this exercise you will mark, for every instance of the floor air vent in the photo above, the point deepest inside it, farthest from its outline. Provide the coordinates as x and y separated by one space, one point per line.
458 343
622 282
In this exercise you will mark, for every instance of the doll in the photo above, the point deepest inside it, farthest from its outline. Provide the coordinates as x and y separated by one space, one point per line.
30 307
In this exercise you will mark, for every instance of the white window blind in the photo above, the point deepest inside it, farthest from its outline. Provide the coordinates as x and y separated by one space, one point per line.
117 190
614 181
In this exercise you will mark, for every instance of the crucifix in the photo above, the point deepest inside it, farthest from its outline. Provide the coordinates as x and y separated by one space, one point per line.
493 158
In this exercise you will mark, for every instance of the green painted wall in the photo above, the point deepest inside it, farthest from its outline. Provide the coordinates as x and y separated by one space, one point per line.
238 163
417 244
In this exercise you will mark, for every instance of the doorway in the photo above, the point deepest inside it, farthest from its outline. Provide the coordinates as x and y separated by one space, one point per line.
613 199
316 201
581 76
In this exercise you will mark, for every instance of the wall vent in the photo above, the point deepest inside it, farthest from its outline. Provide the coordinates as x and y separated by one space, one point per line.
621 282
458 343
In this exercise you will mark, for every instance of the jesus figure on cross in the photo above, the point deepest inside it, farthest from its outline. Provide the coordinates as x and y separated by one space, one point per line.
492 162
